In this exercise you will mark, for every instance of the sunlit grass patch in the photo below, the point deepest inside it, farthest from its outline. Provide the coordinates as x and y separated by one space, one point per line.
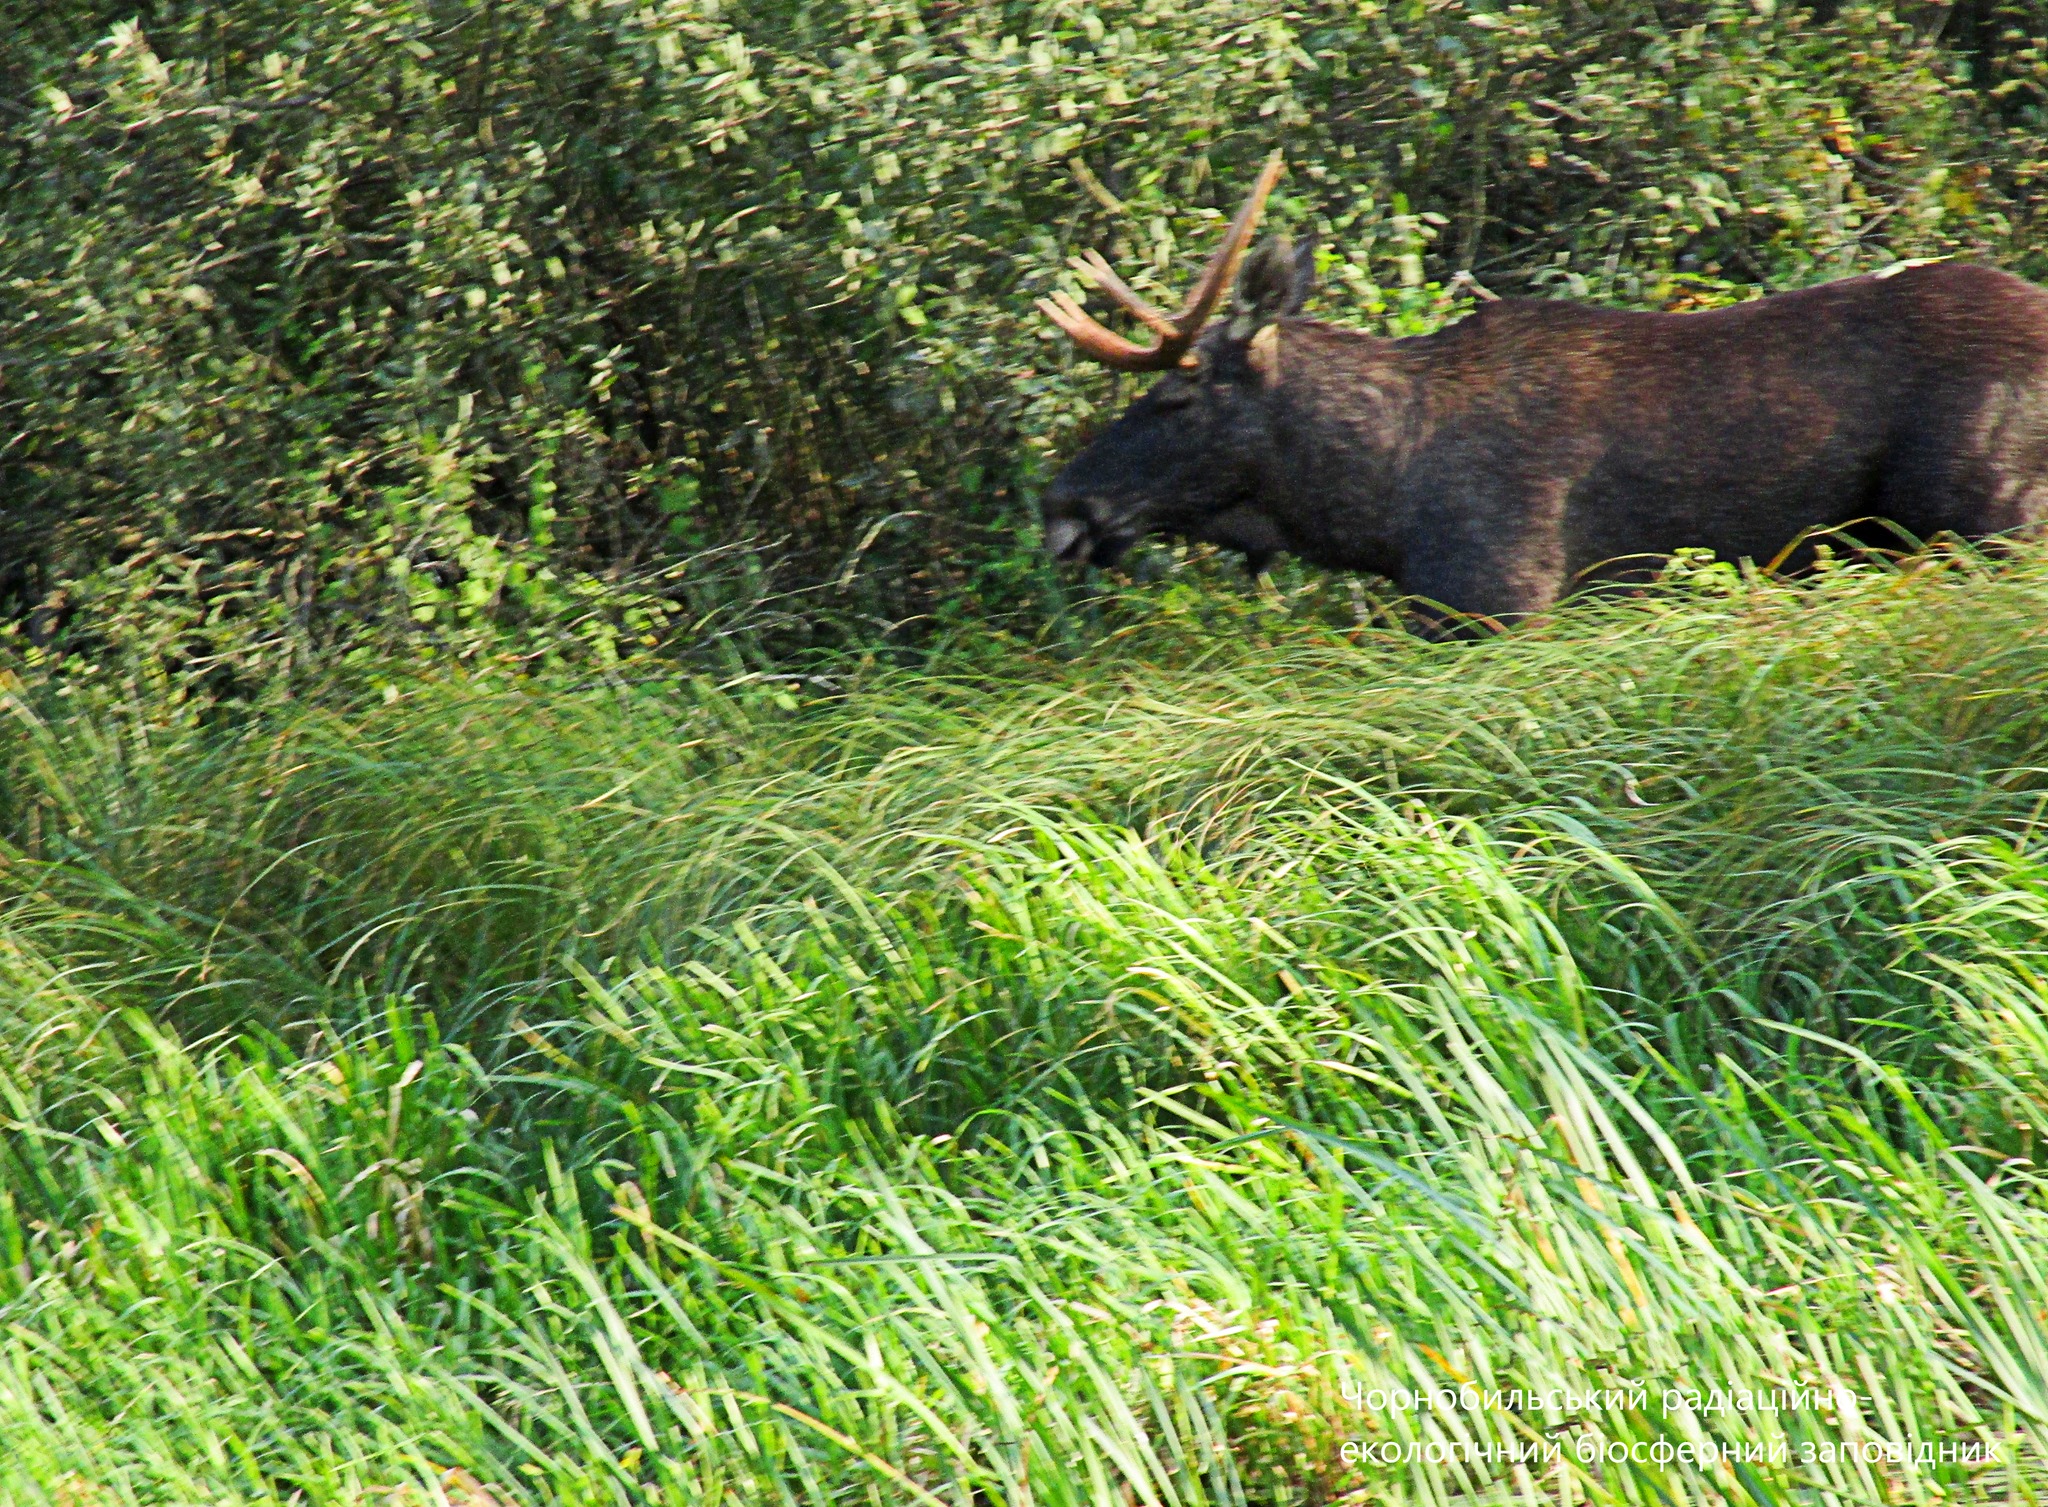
1091 1086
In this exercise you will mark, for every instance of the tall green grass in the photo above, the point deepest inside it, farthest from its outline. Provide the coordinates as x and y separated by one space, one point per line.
1095 1084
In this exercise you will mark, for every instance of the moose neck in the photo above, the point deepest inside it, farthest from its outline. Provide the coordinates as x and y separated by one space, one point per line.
1346 414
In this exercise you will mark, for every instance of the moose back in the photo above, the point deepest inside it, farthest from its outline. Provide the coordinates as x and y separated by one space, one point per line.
1534 446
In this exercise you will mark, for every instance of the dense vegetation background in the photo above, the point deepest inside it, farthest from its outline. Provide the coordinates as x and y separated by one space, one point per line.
582 920
445 315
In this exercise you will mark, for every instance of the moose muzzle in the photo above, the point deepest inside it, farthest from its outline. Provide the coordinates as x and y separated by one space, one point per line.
1082 531
1065 538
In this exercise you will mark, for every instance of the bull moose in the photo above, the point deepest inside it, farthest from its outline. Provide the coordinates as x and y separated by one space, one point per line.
1534 446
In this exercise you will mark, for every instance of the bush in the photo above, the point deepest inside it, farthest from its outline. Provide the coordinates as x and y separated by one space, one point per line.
456 318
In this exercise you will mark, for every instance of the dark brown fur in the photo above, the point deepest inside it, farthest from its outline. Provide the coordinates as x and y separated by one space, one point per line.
1499 463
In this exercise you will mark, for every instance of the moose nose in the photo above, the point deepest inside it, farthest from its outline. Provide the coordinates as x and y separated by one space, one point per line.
1065 537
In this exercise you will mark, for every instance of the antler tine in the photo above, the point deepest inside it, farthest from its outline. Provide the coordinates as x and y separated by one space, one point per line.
1176 332
1223 265
1106 346
1104 277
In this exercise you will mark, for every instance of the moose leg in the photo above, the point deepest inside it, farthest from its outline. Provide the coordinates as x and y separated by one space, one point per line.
1250 532
1489 573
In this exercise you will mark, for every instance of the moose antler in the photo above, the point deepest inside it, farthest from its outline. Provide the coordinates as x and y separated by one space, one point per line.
1176 332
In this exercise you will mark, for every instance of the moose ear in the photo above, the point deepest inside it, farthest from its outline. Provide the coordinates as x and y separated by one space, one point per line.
1304 273
1275 281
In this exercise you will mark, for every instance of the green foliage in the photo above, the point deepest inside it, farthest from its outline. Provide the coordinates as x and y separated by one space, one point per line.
1078 1087
438 316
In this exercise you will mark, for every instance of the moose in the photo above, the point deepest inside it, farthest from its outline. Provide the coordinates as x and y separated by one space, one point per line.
1535 446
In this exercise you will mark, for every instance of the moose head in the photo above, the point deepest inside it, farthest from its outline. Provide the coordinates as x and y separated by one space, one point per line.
1188 456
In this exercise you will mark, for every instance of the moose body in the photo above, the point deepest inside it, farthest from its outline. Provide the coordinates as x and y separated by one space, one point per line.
1499 463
